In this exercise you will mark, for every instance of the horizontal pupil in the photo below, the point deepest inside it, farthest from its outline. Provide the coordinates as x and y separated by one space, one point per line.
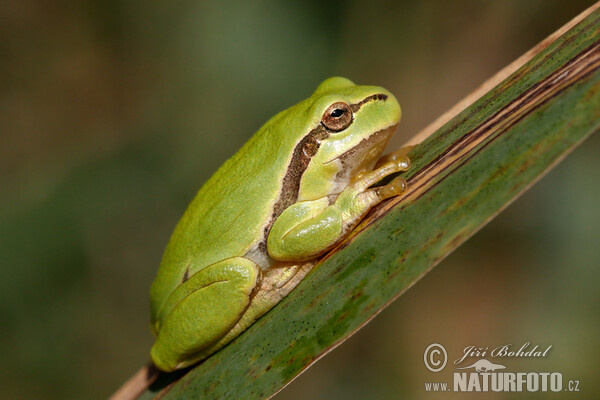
337 113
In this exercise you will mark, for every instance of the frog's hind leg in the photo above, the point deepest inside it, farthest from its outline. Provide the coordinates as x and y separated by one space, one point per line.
202 310
277 282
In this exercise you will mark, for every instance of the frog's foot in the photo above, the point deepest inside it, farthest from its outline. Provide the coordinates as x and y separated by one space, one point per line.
395 155
359 196
202 310
277 283
362 182
395 188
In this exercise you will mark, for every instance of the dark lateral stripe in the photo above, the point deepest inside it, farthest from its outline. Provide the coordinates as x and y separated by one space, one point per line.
587 62
303 152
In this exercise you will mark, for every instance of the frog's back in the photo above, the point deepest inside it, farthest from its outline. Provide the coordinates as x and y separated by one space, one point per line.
228 214
227 217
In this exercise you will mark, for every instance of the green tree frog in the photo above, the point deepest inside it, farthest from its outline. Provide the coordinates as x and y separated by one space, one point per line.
291 193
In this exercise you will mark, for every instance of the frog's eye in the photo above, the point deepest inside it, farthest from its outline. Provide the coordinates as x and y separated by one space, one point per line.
337 117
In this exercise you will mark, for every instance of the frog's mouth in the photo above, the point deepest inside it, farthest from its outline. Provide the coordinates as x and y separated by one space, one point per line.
364 155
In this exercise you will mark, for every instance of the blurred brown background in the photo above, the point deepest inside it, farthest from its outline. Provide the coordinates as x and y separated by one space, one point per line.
113 113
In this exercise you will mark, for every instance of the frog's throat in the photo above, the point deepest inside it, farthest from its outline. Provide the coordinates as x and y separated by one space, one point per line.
365 154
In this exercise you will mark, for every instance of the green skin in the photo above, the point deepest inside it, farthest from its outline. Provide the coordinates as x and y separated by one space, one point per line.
253 231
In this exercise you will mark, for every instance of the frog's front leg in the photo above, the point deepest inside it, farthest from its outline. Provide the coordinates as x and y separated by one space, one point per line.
202 310
309 228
